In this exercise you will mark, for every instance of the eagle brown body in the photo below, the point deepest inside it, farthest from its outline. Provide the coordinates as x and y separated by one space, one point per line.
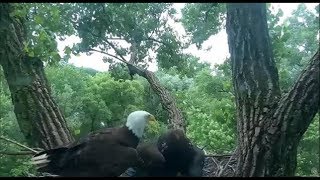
107 152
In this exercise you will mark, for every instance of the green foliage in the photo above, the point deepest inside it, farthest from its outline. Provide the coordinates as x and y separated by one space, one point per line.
174 82
108 101
124 28
119 71
68 85
10 165
202 20
210 112
309 151
43 23
169 53
294 42
182 65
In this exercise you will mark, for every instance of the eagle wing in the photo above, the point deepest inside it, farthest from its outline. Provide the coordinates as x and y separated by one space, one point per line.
97 154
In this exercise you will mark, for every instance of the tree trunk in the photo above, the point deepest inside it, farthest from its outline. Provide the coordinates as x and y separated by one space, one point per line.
269 126
168 102
38 115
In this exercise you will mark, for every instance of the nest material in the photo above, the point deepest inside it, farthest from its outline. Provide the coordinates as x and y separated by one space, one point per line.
219 166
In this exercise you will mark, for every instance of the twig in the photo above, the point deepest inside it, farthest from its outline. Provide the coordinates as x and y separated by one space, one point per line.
110 44
226 165
158 41
218 155
17 153
21 145
232 168
215 162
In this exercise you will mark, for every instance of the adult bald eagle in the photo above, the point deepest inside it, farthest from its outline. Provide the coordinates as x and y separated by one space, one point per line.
172 155
108 152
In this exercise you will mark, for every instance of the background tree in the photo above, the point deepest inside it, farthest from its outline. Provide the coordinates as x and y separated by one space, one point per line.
284 162
38 116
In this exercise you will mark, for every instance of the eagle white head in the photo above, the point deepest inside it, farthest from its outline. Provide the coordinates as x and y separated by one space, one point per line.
137 121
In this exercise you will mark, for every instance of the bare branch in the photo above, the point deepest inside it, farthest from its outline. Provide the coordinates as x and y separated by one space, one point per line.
215 162
116 50
158 41
120 39
19 144
218 155
109 43
17 153
226 165
43 175
108 55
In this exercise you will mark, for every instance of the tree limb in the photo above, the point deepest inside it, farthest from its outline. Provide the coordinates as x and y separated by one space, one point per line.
176 119
158 41
108 55
288 122
109 43
21 145
304 93
120 39
116 50
298 107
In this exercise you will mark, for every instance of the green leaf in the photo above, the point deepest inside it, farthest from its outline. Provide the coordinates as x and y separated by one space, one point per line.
77 131
31 54
38 19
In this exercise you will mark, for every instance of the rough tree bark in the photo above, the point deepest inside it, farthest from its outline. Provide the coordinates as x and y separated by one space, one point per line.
38 115
168 102
270 125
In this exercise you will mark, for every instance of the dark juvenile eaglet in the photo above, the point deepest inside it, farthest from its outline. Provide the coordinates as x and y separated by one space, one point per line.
172 155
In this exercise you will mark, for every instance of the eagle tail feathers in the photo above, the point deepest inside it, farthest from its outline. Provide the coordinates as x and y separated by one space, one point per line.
40 161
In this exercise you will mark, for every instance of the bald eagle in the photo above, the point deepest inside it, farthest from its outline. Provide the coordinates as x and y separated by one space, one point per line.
107 152
172 155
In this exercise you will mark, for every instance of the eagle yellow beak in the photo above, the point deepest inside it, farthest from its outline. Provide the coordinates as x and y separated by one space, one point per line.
152 119
153 124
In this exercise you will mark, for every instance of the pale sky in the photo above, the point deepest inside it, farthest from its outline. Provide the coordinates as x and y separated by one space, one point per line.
217 54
